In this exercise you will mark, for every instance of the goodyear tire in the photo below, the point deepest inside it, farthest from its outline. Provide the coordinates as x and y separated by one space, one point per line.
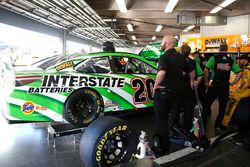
107 141
83 107
241 115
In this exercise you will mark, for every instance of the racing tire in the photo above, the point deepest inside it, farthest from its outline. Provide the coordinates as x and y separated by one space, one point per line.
241 115
83 107
108 141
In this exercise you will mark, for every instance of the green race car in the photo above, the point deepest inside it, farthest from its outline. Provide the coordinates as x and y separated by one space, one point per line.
152 51
80 88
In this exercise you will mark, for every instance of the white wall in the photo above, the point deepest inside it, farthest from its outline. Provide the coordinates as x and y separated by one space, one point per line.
235 25
135 50
183 38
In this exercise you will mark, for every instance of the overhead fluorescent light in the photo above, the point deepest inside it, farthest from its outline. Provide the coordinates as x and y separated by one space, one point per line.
122 6
130 27
176 37
154 38
135 43
170 6
158 28
133 37
224 4
189 28
109 20
120 34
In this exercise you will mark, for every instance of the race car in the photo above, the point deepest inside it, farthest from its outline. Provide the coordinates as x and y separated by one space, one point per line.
80 88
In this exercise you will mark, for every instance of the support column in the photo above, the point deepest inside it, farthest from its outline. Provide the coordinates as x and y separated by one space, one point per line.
63 39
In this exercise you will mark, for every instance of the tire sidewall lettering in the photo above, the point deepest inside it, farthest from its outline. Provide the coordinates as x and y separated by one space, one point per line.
102 141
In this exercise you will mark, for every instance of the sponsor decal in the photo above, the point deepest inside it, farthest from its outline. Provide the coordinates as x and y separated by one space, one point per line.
104 138
29 107
112 105
65 84
64 65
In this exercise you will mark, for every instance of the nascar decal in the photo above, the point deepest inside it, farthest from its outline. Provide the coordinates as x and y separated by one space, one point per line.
64 65
65 84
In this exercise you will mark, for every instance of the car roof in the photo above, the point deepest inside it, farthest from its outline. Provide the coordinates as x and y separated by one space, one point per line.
81 56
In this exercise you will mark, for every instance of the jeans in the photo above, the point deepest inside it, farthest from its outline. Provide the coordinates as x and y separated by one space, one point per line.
162 104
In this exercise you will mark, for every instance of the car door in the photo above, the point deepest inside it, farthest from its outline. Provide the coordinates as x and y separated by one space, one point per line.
139 80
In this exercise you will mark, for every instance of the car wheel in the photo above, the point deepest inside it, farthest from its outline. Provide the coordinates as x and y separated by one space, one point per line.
108 141
83 107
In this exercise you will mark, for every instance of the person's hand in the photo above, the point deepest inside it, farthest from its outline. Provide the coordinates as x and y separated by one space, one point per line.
231 83
207 85
196 84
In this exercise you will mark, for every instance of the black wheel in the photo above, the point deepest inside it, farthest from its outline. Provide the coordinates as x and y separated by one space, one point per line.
108 141
83 107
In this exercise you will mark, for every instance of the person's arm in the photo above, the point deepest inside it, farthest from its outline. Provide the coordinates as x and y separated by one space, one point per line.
199 75
209 65
236 69
192 78
159 78
237 78
198 81
206 72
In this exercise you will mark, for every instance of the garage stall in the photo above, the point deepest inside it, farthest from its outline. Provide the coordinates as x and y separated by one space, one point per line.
77 82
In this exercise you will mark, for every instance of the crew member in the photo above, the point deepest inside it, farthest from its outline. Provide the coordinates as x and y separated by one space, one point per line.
108 46
242 91
201 87
188 97
221 66
168 88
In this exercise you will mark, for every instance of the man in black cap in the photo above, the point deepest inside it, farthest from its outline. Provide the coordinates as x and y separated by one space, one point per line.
221 65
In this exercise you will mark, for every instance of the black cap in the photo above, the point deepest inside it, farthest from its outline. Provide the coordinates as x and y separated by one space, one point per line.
244 56
223 47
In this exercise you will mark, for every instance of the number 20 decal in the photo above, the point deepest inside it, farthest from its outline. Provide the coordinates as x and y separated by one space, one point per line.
143 90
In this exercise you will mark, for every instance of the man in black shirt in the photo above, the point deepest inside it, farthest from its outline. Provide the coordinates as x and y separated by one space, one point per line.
169 87
221 66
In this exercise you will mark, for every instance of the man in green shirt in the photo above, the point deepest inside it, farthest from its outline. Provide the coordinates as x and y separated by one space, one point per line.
221 65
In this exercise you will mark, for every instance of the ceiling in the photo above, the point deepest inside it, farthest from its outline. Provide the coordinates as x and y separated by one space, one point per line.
145 15
86 18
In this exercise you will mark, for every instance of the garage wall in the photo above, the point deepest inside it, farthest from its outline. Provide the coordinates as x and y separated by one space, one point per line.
183 38
135 50
235 25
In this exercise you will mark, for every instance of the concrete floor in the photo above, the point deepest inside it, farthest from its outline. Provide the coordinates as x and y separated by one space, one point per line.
26 145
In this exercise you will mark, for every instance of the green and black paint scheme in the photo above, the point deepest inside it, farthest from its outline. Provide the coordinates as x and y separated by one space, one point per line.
79 89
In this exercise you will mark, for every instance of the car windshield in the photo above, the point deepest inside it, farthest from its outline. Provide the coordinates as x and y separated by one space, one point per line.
53 60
